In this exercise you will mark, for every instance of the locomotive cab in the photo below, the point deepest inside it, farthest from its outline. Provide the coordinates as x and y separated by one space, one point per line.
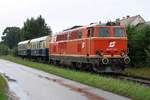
108 45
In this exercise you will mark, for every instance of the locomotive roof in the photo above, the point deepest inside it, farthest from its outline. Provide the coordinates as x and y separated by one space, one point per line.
39 39
24 42
81 27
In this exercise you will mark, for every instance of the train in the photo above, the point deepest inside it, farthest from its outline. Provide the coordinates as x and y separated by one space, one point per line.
96 47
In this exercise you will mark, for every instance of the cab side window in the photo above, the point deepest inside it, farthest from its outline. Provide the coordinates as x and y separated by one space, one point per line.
104 32
79 34
90 32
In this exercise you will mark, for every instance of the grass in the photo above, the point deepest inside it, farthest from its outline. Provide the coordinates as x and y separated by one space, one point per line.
3 86
125 88
138 71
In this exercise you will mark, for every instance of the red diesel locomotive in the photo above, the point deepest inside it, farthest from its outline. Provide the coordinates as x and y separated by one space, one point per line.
96 47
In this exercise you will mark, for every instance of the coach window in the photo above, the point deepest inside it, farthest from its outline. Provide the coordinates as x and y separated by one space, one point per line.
40 44
37 45
33 46
104 32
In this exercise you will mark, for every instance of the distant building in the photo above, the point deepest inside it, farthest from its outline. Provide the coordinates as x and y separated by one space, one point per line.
134 20
147 23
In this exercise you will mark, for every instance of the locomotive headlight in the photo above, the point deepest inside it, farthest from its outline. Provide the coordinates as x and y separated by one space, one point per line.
127 60
105 61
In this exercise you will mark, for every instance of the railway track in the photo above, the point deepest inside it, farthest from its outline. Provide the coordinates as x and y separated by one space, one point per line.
135 79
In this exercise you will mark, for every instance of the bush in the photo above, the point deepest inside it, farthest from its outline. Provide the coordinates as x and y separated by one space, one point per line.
13 51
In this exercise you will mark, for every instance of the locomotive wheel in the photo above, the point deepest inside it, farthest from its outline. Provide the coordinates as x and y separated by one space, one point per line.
73 65
57 63
97 68
79 65
87 66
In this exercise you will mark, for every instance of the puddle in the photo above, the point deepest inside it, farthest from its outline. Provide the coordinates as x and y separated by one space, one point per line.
84 91
9 79
15 92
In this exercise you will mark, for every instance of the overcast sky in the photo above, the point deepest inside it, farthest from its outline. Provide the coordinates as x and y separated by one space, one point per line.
61 14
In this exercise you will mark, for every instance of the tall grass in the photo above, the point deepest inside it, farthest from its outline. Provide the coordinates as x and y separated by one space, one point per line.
3 87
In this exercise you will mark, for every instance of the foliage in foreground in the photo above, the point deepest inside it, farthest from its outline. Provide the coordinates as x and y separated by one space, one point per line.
132 90
2 89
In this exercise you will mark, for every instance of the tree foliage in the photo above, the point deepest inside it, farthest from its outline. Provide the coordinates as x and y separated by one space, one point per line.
34 28
11 36
4 50
139 44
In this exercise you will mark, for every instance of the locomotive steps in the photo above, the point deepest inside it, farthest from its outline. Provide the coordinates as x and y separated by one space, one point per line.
121 87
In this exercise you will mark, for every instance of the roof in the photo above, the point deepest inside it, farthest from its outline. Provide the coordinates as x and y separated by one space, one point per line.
130 20
39 39
82 27
73 27
24 42
33 40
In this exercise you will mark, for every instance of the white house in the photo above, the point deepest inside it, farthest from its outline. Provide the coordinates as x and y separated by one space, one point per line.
134 20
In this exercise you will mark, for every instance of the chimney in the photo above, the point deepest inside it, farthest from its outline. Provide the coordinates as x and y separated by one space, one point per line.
128 17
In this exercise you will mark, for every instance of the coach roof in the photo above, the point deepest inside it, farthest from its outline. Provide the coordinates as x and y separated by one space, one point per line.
39 39
24 42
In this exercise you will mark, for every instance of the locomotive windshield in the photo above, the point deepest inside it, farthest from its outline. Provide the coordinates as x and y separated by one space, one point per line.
119 32
104 32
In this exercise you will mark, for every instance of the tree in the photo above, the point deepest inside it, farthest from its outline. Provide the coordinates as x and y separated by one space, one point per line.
34 28
11 36
139 42
3 49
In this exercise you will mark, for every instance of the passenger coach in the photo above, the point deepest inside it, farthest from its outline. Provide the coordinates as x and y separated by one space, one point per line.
35 48
24 48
